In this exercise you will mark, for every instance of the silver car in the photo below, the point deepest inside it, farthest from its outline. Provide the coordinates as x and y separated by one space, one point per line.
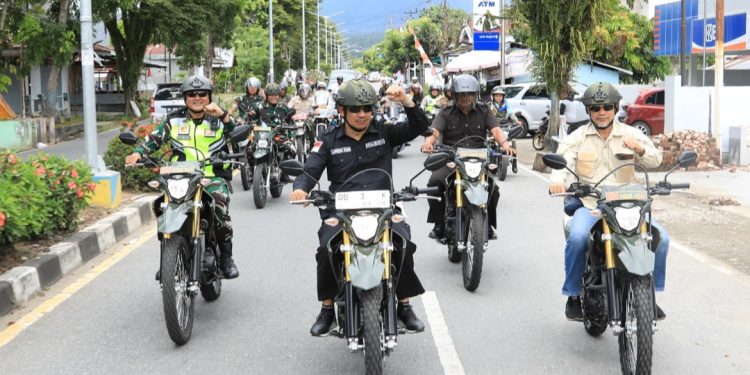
533 101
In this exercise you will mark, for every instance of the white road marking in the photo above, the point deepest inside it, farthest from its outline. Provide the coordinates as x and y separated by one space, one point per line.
443 341
695 254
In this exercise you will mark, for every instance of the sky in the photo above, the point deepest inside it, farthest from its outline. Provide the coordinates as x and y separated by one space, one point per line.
374 15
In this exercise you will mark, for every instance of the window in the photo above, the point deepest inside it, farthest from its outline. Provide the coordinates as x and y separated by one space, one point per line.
536 92
511 92
168 93
656 98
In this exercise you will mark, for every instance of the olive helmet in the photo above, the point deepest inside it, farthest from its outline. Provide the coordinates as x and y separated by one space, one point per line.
252 82
601 93
196 83
356 92
465 83
272 89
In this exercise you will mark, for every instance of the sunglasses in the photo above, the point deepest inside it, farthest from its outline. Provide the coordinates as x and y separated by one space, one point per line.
200 94
597 108
359 108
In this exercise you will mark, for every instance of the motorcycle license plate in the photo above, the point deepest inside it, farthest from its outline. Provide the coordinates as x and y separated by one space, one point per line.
186 167
355 200
465 153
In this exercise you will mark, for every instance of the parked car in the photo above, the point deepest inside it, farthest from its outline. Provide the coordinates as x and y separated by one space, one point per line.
647 111
532 100
166 98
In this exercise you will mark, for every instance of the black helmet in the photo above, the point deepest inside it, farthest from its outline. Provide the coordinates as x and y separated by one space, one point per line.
356 92
272 89
252 82
601 93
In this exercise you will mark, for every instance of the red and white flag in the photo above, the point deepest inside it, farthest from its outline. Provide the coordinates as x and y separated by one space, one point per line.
422 53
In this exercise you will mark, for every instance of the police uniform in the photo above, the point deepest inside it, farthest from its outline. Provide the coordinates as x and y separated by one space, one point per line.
454 125
343 157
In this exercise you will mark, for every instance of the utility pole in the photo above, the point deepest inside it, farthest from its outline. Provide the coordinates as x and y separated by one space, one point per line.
502 42
683 36
304 42
89 99
318 36
270 41
719 72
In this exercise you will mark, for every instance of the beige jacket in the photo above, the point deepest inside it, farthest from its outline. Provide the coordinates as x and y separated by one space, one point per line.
592 157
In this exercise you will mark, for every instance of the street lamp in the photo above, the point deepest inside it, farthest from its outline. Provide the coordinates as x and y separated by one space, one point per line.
270 41
318 15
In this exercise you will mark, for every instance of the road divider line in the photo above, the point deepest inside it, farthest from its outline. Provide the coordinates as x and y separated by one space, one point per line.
8 334
440 334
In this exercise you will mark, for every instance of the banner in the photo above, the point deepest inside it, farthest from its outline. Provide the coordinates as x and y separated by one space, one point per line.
487 25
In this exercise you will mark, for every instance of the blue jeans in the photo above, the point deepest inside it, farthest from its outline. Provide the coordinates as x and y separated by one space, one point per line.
577 245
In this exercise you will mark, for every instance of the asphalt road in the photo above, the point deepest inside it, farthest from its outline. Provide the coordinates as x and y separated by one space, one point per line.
513 324
76 149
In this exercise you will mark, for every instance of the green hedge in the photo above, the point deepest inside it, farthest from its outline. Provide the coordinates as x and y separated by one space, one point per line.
41 196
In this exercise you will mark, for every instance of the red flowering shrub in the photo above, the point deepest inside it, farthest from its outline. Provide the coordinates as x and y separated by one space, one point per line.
41 196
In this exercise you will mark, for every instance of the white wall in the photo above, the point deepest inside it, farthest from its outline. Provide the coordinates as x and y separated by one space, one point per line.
688 108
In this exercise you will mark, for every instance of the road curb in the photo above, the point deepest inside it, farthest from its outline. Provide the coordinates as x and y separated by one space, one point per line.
21 283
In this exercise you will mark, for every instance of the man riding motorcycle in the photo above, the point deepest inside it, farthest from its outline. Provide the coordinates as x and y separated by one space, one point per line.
246 102
363 142
324 102
205 126
431 104
467 117
500 107
416 90
303 102
592 152
273 113
284 98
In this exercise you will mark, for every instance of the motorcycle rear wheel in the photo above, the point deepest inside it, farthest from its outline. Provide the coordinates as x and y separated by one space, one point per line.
259 187
473 256
373 329
178 301
636 340
245 173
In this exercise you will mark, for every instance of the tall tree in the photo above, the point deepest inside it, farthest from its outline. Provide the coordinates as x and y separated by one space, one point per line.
560 34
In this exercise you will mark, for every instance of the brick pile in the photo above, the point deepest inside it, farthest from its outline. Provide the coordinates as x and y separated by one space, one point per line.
672 144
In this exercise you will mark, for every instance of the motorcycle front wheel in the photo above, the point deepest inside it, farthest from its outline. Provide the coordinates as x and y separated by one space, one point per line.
178 301
373 329
474 253
636 339
538 141
246 173
259 187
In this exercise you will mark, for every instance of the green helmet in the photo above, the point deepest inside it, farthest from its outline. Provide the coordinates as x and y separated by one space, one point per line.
357 92
196 83
601 93
272 89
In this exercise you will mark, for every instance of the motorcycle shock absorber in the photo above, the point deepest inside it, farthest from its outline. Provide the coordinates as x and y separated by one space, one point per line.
351 309
197 254
389 323
459 226
613 291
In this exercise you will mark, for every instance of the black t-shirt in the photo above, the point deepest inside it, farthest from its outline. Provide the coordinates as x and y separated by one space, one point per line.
453 125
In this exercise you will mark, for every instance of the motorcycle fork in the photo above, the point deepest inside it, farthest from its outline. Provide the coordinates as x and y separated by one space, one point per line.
389 323
459 225
197 252
351 309
613 290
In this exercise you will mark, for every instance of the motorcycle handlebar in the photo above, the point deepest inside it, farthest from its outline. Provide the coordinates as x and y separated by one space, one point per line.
681 186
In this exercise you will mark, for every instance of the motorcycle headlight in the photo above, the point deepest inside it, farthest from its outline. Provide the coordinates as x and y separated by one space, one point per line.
473 168
178 188
262 143
628 218
365 226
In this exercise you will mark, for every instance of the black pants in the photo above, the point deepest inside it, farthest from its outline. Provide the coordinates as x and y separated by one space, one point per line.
436 214
407 284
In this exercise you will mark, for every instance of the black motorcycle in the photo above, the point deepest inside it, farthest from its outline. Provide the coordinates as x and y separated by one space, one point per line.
271 145
466 198
507 160
618 289
189 251
364 259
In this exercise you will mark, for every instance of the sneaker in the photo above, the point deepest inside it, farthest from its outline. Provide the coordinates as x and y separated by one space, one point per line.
324 323
660 314
229 269
573 309
406 315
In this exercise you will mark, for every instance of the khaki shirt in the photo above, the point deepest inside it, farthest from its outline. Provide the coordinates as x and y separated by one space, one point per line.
593 157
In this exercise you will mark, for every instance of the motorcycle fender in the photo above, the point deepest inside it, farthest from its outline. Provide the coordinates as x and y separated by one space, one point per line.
174 216
634 254
476 193
366 271
257 154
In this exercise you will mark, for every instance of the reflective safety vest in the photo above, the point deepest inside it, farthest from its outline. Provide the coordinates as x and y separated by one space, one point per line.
432 104
207 141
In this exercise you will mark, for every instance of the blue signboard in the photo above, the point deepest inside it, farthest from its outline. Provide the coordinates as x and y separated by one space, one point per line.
735 33
486 41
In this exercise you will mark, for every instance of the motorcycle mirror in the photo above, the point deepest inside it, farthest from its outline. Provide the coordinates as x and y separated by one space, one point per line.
292 167
555 161
515 132
240 133
687 159
436 161
128 138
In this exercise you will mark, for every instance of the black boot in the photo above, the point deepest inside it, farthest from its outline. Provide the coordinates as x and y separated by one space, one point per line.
406 315
437 232
573 309
228 268
324 323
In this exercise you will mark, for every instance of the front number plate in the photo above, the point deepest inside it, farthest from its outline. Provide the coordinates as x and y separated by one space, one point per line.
355 200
